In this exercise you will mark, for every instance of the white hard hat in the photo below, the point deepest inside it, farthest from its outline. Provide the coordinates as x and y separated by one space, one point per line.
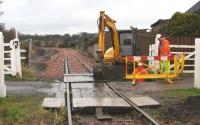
139 64
158 36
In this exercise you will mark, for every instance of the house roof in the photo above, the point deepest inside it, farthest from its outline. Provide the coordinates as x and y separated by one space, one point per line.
160 21
195 8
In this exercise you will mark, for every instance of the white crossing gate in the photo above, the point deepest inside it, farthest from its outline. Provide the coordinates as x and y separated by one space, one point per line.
189 56
2 85
197 64
10 60
13 58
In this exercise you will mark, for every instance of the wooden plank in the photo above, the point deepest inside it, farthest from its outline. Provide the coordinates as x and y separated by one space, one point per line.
113 102
53 103
99 102
77 78
181 52
190 59
91 90
188 71
144 101
182 46
187 65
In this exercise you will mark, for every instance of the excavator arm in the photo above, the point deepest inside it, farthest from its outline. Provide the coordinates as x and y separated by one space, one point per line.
106 21
107 60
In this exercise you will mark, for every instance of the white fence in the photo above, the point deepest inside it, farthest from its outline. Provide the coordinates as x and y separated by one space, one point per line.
10 61
189 56
2 85
197 63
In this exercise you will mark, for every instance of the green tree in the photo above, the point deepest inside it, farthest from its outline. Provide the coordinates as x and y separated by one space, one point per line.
67 39
183 24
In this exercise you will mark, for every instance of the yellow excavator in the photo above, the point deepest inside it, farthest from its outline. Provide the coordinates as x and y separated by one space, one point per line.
110 62
116 62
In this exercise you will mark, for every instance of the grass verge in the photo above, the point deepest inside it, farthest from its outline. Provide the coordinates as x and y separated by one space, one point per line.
27 75
27 110
182 93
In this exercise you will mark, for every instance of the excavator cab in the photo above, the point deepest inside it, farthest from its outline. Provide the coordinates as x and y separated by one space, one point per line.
128 45
127 41
110 68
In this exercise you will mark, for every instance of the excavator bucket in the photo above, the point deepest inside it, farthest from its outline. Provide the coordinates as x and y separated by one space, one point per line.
109 72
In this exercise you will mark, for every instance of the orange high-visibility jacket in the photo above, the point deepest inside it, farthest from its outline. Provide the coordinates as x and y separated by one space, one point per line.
164 48
140 70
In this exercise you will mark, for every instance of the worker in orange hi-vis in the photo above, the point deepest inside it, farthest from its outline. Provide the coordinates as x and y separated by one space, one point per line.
139 70
164 50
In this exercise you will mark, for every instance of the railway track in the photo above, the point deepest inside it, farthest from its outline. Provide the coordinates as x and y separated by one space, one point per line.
134 107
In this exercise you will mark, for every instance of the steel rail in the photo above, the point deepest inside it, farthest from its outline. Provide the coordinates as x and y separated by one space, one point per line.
139 110
84 64
69 112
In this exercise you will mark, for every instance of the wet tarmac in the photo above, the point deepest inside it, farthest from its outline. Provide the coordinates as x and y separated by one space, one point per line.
96 93
187 81
88 90
28 88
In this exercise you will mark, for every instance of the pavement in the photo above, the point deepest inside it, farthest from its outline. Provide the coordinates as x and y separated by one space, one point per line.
187 81
21 88
29 88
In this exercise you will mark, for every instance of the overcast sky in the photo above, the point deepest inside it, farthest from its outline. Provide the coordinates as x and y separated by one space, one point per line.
74 16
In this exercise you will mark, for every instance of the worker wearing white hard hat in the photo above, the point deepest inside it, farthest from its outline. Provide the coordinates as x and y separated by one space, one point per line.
139 70
157 42
140 64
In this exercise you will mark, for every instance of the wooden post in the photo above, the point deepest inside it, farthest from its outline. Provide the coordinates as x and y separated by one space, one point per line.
197 64
154 49
18 56
2 84
157 42
29 52
151 53
13 58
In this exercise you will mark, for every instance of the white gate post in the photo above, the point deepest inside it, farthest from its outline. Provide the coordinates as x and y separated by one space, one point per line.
2 84
18 56
155 51
157 42
197 64
16 68
13 58
151 53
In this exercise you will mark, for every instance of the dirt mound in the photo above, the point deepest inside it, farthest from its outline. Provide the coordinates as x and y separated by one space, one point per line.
184 112
193 102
